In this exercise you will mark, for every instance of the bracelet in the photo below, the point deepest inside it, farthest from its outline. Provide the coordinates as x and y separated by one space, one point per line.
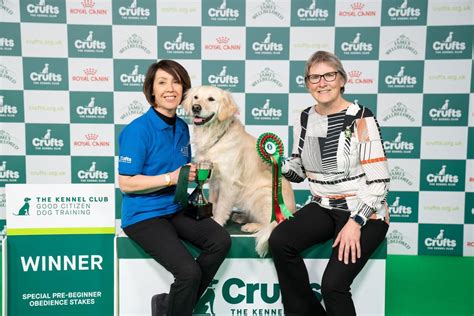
168 179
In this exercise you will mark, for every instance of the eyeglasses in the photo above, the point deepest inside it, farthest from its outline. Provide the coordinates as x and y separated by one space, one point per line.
328 77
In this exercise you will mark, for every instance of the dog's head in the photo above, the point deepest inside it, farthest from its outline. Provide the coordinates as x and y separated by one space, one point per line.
208 104
27 199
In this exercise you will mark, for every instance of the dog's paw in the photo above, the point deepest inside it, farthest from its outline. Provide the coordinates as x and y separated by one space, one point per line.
251 227
219 221
239 218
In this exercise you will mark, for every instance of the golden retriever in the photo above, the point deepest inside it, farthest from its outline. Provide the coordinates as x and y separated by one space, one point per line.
239 178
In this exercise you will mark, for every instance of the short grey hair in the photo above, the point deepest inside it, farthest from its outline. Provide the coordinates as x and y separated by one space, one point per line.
325 57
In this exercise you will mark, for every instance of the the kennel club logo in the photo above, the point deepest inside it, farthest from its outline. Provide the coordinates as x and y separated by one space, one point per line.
46 77
48 141
42 9
449 42
357 45
267 75
88 8
93 174
90 42
236 296
444 110
440 239
402 42
132 79
132 110
404 12
309 11
135 41
7 74
223 12
403 206
266 109
24 210
223 79
440 242
267 46
442 177
12 169
8 140
396 237
10 43
91 110
402 142
179 45
7 110
399 110
400 79
134 10
449 45
268 7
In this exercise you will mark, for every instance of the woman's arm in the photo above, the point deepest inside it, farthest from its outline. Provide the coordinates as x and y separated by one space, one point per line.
141 184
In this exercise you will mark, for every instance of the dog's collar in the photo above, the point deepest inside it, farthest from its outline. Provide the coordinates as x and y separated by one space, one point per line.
220 136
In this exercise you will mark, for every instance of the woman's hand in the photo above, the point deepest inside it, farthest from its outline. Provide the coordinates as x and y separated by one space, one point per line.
192 172
348 240
191 176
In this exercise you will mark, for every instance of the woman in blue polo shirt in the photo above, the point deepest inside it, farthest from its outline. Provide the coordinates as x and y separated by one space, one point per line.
153 148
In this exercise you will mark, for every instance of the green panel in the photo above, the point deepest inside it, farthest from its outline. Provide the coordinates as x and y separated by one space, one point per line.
243 246
61 275
429 285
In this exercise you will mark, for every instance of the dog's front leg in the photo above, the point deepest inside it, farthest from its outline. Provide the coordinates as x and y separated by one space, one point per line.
223 207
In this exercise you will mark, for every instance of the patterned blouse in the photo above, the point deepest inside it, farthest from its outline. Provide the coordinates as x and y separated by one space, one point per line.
343 158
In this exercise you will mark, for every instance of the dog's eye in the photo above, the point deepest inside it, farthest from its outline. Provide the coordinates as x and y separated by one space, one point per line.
210 99
195 97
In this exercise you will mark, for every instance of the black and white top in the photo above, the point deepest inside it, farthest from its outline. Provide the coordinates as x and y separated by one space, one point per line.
343 158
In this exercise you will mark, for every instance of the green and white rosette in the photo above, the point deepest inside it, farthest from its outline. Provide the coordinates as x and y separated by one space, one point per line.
270 149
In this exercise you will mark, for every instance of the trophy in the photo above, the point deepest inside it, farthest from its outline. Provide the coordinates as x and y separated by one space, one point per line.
198 206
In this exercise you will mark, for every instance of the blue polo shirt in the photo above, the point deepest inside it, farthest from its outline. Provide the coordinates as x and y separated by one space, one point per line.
148 146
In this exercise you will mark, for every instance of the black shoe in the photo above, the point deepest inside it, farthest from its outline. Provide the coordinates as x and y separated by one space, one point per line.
159 304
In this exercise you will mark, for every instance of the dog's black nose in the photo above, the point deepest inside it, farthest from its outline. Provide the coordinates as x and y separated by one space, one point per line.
196 108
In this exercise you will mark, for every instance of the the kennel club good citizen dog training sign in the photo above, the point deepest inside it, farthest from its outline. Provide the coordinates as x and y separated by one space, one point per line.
60 249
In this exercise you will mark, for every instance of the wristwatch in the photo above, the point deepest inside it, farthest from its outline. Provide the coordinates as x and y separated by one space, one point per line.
168 179
359 219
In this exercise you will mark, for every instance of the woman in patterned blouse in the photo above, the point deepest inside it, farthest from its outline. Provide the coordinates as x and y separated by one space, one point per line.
338 148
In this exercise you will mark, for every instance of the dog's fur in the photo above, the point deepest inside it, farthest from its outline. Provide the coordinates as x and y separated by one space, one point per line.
240 178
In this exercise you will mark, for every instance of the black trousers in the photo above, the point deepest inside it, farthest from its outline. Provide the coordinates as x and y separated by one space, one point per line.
311 225
160 238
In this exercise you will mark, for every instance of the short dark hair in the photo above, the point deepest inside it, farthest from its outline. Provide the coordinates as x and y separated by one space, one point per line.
175 69
325 57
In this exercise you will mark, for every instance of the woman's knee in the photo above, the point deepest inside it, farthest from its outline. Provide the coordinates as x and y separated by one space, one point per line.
221 241
277 241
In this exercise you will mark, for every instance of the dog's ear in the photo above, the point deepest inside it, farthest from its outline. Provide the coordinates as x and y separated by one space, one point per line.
228 107
188 100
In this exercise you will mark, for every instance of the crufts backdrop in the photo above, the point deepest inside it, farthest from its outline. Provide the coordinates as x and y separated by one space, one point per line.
71 74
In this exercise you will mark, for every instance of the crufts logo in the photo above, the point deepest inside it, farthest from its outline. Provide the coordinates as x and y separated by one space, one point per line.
25 209
205 305
266 112
267 46
442 178
440 242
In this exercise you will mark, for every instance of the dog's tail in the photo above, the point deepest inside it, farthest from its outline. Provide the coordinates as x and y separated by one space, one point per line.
261 238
